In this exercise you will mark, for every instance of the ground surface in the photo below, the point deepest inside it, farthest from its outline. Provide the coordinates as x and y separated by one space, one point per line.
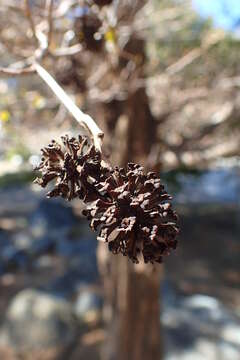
201 291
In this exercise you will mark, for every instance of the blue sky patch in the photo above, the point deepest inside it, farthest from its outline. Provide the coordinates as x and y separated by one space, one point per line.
224 13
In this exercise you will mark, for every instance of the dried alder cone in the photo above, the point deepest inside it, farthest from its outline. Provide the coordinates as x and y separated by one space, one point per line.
87 28
103 2
131 209
75 167
136 216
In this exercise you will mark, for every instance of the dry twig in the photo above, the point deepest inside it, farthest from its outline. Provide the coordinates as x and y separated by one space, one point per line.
49 7
16 72
83 119
30 18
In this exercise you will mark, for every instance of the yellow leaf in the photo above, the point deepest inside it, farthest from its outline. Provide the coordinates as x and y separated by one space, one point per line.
110 36
39 102
5 116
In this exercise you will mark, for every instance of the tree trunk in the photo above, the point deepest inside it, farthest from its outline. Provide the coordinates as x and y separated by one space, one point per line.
132 305
132 311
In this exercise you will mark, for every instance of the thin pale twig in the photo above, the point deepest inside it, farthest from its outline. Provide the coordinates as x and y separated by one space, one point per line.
83 119
186 60
66 51
16 72
42 49
194 54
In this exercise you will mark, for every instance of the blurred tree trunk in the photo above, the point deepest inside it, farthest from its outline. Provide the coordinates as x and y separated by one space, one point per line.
132 306
132 311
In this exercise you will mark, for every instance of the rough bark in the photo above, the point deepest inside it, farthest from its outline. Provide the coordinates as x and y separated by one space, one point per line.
132 311
132 305
139 324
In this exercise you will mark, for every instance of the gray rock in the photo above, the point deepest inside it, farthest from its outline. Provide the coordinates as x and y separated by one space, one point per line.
13 259
4 239
79 274
36 320
207 187
49 225
18 200
52 216
81 247
88 306
206 350
231 334
228 351
199 327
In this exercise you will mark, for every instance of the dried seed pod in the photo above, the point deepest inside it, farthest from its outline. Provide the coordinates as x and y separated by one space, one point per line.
130 208
135 215
75 167
102 2
86 29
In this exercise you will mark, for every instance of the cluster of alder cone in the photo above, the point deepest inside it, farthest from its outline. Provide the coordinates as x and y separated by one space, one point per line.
90 33
88 25
131 209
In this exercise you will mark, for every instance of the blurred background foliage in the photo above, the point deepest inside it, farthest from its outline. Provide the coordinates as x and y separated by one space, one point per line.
191 72
173 30
163 83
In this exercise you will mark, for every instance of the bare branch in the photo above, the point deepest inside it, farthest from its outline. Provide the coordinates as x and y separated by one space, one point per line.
30 18
98 75
83 119
210 40
196 158
49 7
64 7
227 113
16 72
42 49
184 61
67 51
